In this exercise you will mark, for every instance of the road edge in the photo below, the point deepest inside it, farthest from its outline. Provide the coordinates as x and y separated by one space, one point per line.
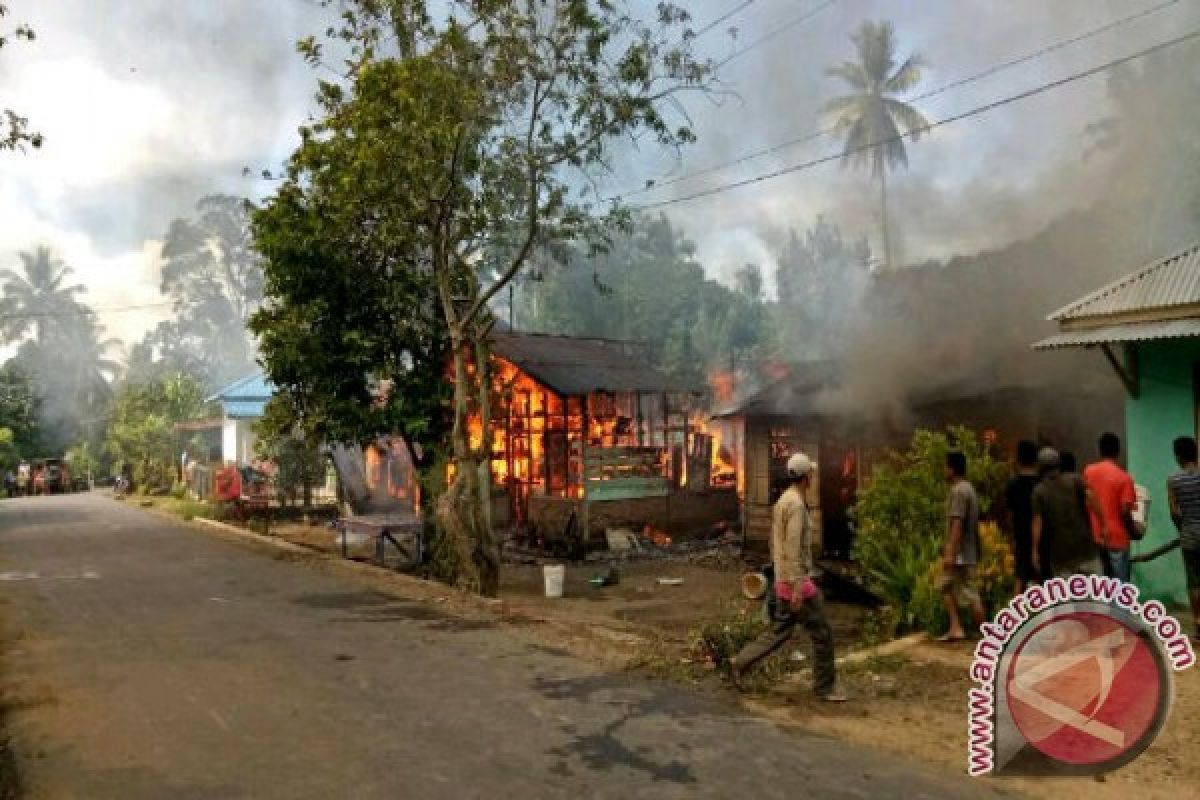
426 589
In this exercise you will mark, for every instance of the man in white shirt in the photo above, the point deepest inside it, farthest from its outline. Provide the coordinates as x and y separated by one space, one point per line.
799 601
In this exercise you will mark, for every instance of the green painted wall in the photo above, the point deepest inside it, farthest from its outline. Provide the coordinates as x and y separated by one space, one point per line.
1165 408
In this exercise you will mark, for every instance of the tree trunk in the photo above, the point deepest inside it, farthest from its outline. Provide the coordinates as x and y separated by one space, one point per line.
489 549
462 510
887 235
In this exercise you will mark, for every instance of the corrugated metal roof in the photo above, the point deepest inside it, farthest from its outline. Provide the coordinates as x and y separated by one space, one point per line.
1172 281
246 397
574 366
1127 332
244 409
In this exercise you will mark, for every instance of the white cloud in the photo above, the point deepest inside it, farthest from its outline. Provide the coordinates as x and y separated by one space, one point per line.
98 128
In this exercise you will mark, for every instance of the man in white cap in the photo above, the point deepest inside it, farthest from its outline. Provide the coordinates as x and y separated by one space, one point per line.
799 601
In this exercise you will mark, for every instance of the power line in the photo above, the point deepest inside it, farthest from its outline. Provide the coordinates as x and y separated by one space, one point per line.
83 311
776 32
1040 89
987 73
724 17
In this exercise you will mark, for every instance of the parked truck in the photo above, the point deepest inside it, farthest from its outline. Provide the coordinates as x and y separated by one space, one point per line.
51 476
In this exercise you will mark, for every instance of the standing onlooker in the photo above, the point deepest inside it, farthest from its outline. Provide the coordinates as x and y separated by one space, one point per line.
1183 496
960 553
1018 496
1114 490
799 601
1062 534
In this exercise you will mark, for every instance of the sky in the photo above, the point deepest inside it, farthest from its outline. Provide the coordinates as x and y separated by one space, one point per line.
148 105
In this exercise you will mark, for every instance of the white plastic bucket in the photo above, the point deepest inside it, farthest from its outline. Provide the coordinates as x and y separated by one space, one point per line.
554 575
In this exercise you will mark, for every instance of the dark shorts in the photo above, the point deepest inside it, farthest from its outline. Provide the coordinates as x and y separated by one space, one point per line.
1191 564
1023 559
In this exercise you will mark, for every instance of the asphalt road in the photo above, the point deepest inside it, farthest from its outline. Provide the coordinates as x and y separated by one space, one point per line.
149 660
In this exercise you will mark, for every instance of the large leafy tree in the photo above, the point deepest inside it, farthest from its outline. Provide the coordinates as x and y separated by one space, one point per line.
19 408
214 277
351 338
820 277
14 128
464 138
649 286
872 119
140 430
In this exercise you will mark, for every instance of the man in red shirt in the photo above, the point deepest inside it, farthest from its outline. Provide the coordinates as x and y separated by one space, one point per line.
1113 490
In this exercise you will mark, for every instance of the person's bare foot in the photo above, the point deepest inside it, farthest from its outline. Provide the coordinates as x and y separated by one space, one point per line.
951 636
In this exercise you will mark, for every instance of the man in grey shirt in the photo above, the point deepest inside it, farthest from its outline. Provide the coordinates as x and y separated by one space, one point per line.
1062 534
961 551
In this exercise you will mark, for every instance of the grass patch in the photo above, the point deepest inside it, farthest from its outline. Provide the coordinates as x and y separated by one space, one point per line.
188 508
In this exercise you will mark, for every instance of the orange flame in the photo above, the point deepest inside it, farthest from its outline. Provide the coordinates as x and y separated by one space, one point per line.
723 471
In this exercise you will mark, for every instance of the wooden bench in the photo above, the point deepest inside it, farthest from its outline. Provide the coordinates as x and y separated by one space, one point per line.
403 531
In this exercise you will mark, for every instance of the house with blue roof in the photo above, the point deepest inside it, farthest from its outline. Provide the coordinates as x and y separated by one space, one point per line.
242 402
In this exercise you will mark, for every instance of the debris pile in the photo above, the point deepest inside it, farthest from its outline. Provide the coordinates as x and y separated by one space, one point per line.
721 550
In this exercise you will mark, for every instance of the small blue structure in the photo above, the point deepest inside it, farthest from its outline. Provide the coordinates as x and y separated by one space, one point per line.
242 402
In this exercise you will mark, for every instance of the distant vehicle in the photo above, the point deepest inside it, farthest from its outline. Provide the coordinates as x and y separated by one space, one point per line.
24 478
51 476
80 484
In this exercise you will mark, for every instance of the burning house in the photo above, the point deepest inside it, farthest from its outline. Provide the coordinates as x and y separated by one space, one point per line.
811 410
588 436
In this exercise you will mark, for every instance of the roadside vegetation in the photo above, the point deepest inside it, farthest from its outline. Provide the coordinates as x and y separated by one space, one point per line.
901 515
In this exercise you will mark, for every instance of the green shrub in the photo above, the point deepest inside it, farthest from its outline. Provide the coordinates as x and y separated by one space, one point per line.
901 517
719 639
716 641
190 509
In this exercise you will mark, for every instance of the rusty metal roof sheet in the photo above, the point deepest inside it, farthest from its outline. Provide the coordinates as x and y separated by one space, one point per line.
794 396
1126 332
575 366
1166 283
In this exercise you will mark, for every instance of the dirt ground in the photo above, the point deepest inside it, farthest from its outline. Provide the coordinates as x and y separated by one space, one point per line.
912 705
915 706
638 602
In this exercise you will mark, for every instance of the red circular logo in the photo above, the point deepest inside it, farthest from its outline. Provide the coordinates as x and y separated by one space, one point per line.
1086 689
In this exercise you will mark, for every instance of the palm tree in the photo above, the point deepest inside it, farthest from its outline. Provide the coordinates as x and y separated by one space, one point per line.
37 299
871 119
